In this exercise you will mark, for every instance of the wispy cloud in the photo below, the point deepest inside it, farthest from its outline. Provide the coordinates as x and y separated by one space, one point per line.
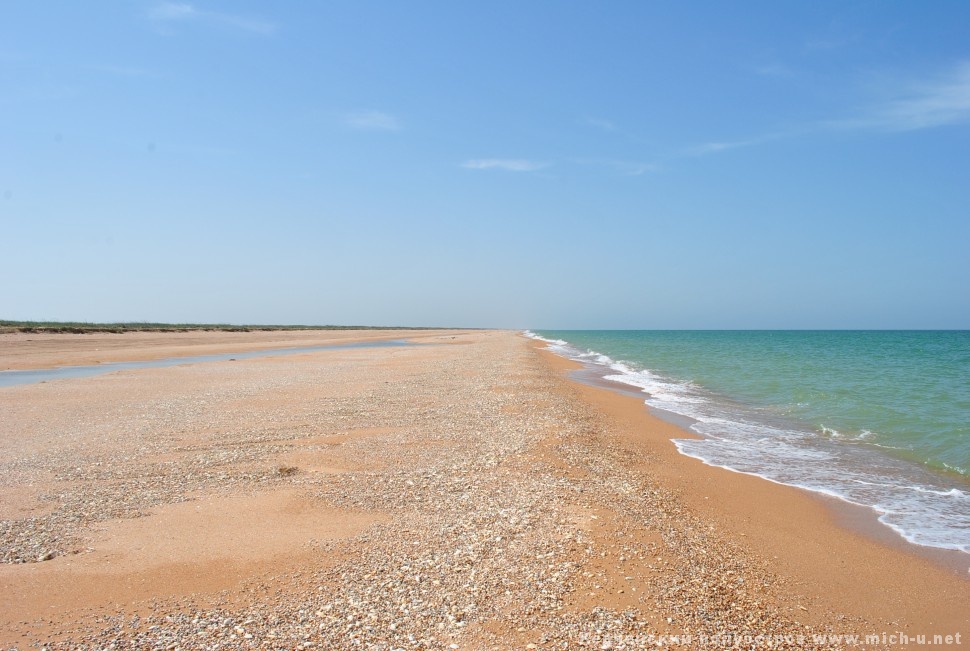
774 70
622 167
717 147
908 106
601 123
507 164
941 101
173 11
167 14
372 121
634 168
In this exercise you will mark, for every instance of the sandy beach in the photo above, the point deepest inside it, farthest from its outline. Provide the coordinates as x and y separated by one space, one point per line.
459 493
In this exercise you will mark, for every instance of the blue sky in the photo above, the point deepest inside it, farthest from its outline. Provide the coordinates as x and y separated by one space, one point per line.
501 164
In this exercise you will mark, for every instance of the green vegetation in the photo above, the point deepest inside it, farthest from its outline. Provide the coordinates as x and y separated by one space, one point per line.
78 327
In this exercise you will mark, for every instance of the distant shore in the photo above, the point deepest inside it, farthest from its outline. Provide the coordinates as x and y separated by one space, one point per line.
41 350
463 493
85 327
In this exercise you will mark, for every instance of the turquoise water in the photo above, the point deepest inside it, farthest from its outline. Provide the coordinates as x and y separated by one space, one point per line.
878 418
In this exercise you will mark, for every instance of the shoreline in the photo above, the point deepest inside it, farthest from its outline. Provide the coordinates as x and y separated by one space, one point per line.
856 517
813 542
922 504
465 495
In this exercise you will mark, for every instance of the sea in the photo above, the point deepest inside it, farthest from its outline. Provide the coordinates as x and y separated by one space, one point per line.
876 418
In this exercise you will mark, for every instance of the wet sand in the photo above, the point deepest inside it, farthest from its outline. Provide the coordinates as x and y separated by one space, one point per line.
463 494
22 351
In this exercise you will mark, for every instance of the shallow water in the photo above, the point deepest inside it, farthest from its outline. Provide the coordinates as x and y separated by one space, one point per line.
31 376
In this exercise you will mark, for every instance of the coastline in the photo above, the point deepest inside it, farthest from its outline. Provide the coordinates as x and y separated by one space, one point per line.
464 495
821 411
855 517
843 558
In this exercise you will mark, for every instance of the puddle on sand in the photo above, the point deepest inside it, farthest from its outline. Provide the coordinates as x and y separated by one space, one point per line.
32 376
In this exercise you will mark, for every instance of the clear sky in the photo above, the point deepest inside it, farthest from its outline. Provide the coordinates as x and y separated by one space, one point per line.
504 164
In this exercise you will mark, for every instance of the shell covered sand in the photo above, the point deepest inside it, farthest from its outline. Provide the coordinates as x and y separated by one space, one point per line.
456 494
